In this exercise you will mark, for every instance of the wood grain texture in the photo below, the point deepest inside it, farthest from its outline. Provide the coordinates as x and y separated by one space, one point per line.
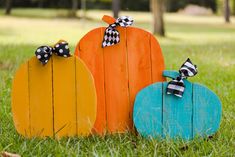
177 113
157 60
93 56
116 85
64 96
20 97
120 71
56 100
148 118
207 111
86 99
197 113
139 63
41 96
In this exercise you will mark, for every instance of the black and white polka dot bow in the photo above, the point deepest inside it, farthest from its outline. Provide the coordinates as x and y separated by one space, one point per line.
176 86
111 35
44 53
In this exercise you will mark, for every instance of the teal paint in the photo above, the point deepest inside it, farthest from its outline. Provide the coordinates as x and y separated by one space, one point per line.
157 114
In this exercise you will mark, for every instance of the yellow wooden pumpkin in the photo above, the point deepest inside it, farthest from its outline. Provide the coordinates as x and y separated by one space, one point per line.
57 99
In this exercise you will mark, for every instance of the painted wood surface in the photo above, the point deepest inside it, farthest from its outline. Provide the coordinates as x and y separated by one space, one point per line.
56 100
197 113
120 71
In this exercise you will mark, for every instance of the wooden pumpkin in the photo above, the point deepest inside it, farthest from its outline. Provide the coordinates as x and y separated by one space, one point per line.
57 99
157 114
120 71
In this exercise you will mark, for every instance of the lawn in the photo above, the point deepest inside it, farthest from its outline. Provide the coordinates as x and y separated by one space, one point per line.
206 40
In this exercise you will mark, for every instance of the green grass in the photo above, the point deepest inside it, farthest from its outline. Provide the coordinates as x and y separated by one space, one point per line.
206 40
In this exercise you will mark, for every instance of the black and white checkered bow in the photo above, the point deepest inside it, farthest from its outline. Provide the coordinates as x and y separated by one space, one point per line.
111 35
44 53
176 86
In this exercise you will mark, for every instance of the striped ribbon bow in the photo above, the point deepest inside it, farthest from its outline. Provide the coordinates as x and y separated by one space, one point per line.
111 35
176 86
44 53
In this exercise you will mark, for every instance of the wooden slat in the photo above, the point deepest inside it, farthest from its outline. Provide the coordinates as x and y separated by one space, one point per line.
139 63
157 61
20 101
148 111
206 111
117 72
177 113
116 85
64 92
86 99
40 87
91 52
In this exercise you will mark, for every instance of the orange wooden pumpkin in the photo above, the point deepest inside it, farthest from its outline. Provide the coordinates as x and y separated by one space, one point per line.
120 71
57 99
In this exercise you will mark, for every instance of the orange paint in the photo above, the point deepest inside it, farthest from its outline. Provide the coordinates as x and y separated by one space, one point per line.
120 71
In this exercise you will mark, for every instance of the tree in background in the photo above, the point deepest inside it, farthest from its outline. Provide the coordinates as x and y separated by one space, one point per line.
157 7
8 7
73 12
40 3
116 8
84 8
226 11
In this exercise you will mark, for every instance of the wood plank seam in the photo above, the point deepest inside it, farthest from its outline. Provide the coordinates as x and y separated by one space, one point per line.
128 76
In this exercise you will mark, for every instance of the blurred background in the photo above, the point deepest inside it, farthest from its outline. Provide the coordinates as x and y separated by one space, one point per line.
79 8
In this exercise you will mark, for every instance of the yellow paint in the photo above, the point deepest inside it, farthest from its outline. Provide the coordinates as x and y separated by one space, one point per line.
86 99
64 96
57 99
20 101
40 98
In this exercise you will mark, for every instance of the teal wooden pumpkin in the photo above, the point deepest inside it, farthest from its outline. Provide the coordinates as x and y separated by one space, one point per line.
157 114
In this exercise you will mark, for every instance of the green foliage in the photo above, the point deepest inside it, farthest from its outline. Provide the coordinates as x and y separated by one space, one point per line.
221 6
175 5
140 5
206 40
134 5
233 6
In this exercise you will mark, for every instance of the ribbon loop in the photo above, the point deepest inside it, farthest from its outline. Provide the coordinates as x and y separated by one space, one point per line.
44 53
176 86
111 35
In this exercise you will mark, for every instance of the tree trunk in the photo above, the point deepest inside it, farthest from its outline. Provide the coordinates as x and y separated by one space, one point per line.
40 3
226 11
83 7
8 7
157 7
115 8
74 8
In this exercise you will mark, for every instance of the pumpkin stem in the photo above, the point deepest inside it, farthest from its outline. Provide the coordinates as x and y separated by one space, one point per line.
170 74
108 19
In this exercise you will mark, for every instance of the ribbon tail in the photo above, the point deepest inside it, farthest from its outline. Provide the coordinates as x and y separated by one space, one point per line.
176 87
111 37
